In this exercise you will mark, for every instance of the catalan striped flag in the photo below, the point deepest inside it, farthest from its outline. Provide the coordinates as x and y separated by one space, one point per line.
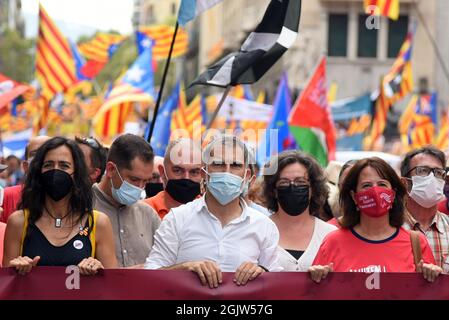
358 126
162 36
399 80
189 118
112 122
98 52
55 66
381 109
387 8
43 111
442 140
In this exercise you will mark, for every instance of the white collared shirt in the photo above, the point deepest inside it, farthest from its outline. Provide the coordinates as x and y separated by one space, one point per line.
192 233
290 263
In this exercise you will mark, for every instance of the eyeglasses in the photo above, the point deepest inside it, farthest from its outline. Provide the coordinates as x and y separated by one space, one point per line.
91 142
424 171
285 183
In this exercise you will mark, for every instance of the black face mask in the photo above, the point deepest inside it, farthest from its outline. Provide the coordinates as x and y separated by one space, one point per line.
57 184
153 189
183 190
293 200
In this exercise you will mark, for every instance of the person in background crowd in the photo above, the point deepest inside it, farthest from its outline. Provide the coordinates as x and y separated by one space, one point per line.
424 174
331 173
372 238
95 155
181 174
218 232
56 225
2 225
128 169
341 176
250 185
12 195
156 183
443 206
15 173
296 193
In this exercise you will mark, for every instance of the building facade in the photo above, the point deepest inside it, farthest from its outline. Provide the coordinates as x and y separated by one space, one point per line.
11 17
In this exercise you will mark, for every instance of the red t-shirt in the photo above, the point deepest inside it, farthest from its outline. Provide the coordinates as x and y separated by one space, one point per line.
2 237
350 252
442 206
334 222
11 199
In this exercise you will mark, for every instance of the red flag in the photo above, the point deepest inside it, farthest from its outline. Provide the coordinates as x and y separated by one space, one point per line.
310 120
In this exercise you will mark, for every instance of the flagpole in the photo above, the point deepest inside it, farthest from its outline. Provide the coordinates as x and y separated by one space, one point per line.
220 104
164 76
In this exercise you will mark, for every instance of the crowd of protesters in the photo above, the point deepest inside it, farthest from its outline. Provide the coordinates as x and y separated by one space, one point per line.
208 209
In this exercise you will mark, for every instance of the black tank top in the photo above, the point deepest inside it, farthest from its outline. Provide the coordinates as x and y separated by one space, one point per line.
71 253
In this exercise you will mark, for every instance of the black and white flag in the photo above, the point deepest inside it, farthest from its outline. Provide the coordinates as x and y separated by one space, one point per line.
260 51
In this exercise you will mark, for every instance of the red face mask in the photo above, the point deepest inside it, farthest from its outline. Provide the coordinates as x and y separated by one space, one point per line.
375 202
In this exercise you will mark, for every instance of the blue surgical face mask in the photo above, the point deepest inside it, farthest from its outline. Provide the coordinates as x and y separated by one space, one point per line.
224 186
127 194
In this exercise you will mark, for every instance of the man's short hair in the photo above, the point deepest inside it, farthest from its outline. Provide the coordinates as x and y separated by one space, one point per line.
429 150
226 140
98 154
192 145
128 147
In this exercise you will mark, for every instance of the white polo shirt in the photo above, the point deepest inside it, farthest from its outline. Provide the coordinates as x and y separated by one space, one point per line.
192 233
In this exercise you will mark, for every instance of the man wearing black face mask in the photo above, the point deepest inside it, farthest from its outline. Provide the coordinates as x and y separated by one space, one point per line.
156 183
181 174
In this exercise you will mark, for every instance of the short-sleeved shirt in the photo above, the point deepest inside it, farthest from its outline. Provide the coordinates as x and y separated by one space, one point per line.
350 252
437 235
11 199
162 203
133 226
2 237
192 233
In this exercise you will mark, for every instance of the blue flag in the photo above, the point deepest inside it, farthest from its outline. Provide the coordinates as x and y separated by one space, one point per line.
161 132
282 105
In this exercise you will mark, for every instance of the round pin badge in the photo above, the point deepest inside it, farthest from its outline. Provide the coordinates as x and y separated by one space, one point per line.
78 244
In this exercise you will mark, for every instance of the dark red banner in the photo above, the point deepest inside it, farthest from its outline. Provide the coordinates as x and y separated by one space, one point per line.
55 283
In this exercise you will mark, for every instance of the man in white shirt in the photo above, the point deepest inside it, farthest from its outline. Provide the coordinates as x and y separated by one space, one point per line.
218 232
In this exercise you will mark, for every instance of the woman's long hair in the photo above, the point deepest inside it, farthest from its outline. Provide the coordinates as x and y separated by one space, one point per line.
33 194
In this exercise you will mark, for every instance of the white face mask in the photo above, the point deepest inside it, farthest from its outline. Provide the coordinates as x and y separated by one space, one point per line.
427 191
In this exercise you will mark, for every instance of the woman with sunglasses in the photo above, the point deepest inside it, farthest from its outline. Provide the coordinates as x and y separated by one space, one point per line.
56 225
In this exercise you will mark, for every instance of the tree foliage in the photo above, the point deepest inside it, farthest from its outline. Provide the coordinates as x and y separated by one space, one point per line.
16 56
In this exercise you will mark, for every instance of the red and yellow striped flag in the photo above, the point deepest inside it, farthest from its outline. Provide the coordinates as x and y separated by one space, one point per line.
188 117
359 126
442 140
112 121
55 66
163 35
100 47
380 118
387 8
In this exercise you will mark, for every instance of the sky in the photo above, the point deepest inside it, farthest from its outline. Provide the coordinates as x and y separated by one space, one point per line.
79 17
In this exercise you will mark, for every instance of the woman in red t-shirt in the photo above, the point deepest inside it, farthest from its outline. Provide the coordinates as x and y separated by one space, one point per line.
371 238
